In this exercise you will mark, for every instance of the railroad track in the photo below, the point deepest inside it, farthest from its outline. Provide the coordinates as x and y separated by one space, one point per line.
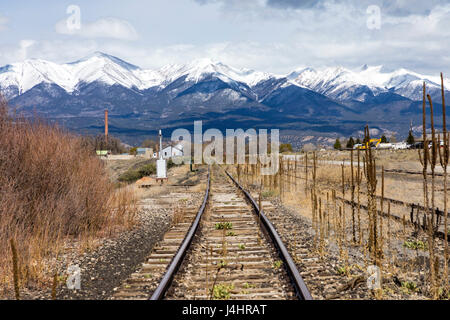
399 171
228 250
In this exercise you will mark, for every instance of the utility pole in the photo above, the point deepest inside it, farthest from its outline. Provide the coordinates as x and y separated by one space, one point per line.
106 125
160 144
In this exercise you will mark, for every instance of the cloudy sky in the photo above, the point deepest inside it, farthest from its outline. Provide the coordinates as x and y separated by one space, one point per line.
269 35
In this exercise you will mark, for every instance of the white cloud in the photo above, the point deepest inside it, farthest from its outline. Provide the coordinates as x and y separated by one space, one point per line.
259 35
103 28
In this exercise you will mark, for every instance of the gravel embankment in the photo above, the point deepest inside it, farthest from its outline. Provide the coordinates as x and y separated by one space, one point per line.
356 266
113 260
104 269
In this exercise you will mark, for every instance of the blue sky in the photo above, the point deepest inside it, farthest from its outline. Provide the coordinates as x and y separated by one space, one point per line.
270 35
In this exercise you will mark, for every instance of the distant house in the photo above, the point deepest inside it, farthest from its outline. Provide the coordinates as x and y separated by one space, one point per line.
176 150
102 153
144 152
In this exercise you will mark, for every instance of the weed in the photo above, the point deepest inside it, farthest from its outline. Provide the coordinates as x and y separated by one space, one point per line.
443 295
222 264
241 246
409 286
415 245
342 270
268 194
248 285
224 226
222 291
277 264
230 234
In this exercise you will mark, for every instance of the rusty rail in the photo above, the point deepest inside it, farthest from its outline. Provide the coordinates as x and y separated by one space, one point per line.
176 262
291 268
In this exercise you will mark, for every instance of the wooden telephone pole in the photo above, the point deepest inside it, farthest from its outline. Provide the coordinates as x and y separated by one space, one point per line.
106 125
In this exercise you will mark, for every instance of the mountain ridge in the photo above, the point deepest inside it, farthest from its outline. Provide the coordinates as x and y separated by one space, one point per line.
99 66
330 101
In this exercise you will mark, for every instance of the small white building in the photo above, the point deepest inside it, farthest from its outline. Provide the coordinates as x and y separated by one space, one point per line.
176 150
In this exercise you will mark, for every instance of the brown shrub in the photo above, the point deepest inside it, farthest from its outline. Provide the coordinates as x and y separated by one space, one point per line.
51 188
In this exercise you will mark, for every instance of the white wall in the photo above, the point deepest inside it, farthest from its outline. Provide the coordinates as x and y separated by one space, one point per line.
170 152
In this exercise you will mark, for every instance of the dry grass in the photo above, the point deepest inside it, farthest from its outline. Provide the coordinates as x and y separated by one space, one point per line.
331 176
52 189
336 226
380 155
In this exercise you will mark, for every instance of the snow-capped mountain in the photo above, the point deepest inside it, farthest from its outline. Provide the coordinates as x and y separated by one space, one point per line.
199 69
96 67
333 100
344 84
336 83
114 71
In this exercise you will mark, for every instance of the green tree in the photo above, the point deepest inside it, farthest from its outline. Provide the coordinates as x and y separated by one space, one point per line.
337 145
365 140
100 142
383 139
350 143
410 139
285 147
133 151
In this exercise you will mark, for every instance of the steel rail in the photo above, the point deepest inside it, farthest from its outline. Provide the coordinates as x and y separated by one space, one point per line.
176 262
291 268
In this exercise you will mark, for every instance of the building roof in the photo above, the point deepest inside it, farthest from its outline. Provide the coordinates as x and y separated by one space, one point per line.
177 145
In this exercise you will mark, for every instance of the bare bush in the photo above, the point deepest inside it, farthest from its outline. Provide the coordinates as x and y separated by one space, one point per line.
51 188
